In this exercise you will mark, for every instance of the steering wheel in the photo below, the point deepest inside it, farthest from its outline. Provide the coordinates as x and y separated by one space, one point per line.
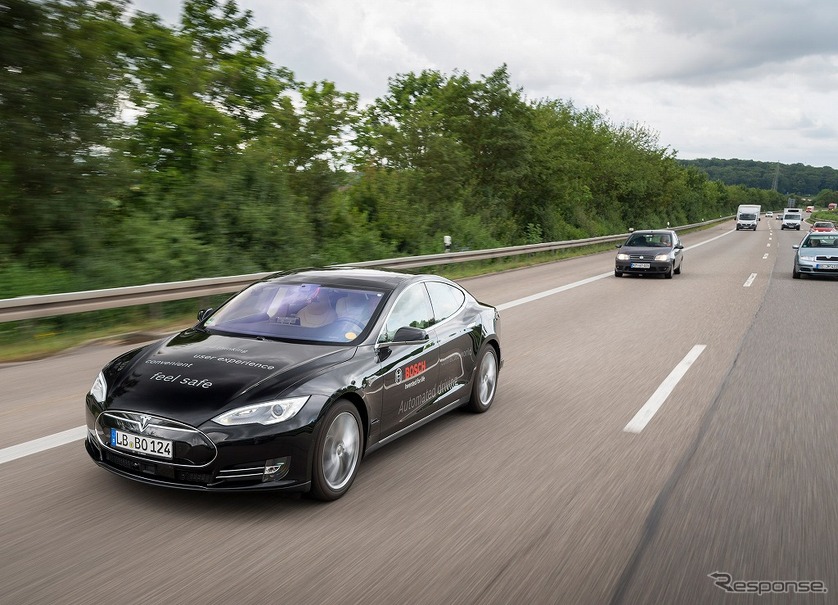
353 321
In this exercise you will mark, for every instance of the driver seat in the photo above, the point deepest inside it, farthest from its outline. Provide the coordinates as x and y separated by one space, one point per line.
317 313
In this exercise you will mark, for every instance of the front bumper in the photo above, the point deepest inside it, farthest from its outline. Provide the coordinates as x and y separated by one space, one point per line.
637 267
820 267
223 459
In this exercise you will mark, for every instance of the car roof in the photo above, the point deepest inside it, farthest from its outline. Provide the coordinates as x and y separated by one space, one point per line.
351 277
652 231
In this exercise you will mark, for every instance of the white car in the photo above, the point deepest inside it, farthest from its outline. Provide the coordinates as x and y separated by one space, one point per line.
769 214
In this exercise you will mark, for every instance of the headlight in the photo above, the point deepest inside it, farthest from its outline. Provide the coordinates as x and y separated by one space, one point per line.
662 257
622 256
269 412
99 388
807 257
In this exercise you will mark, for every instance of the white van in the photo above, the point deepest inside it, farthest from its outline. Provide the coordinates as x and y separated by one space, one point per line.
792 220
747 216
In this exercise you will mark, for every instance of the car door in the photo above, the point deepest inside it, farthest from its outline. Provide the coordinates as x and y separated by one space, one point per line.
455 331
409 354
678 251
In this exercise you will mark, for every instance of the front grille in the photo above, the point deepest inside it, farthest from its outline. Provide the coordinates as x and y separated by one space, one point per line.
191 447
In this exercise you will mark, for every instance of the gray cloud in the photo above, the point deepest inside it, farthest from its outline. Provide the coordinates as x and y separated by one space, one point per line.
715 79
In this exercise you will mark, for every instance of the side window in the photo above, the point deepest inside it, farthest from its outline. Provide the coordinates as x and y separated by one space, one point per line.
412 309
445 299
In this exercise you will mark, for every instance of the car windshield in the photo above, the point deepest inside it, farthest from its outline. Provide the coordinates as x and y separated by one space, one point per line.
298 311
649 240
824 225
820 242
748 217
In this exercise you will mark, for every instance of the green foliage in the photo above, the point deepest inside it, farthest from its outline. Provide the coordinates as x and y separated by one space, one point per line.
793 179
134 152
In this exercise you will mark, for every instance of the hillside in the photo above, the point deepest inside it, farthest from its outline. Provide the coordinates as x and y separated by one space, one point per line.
796 179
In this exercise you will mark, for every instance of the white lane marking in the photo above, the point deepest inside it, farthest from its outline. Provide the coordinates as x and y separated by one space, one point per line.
642 418
764 256
749 281
44 443
768 246
7 454
534 297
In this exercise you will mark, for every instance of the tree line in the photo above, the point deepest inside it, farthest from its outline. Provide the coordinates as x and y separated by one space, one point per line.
133 151
790 179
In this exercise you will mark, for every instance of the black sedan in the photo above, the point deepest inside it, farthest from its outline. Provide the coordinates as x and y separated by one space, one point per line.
653 252
293 380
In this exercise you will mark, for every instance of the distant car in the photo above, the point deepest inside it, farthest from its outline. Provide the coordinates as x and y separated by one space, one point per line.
769 214
778 216
817 254
291 382
791 220
652 252
823 226
810 208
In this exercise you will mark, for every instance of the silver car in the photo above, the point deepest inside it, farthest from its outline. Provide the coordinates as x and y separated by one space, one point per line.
817 254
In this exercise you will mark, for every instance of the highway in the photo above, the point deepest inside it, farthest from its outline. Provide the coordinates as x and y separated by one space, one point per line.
554 496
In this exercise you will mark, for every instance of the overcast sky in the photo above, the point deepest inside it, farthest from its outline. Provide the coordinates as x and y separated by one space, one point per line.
746 79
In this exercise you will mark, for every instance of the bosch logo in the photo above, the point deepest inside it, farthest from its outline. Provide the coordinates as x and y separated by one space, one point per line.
414 370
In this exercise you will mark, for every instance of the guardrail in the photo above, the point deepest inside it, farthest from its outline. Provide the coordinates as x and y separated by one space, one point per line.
49 305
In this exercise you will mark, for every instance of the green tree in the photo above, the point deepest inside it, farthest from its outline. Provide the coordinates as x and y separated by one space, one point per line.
62 70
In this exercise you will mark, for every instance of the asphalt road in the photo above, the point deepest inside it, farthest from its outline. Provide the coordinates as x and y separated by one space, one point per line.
545 499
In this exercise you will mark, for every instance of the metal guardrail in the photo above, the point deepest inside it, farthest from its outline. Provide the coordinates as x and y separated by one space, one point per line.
49 305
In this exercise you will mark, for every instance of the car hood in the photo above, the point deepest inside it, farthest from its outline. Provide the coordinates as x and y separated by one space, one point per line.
646 252
194 376
828 252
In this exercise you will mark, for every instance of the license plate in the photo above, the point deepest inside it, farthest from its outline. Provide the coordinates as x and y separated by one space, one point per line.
640 265
826 266
141 444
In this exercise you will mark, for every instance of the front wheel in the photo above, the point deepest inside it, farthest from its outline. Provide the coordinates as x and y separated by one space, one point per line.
668 274
618 273
337 452
485 381
678 270
795 273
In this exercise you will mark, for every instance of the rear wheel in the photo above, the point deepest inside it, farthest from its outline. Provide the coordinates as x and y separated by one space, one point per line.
485 381
337 452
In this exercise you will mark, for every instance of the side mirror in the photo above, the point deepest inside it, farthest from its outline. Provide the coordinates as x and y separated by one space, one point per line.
409 334
618 246
679 246
795 246
204 313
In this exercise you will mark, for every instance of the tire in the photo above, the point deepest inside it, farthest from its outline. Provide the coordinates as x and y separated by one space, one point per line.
795 273
678 270
618 273
668 274
337 452
485 381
